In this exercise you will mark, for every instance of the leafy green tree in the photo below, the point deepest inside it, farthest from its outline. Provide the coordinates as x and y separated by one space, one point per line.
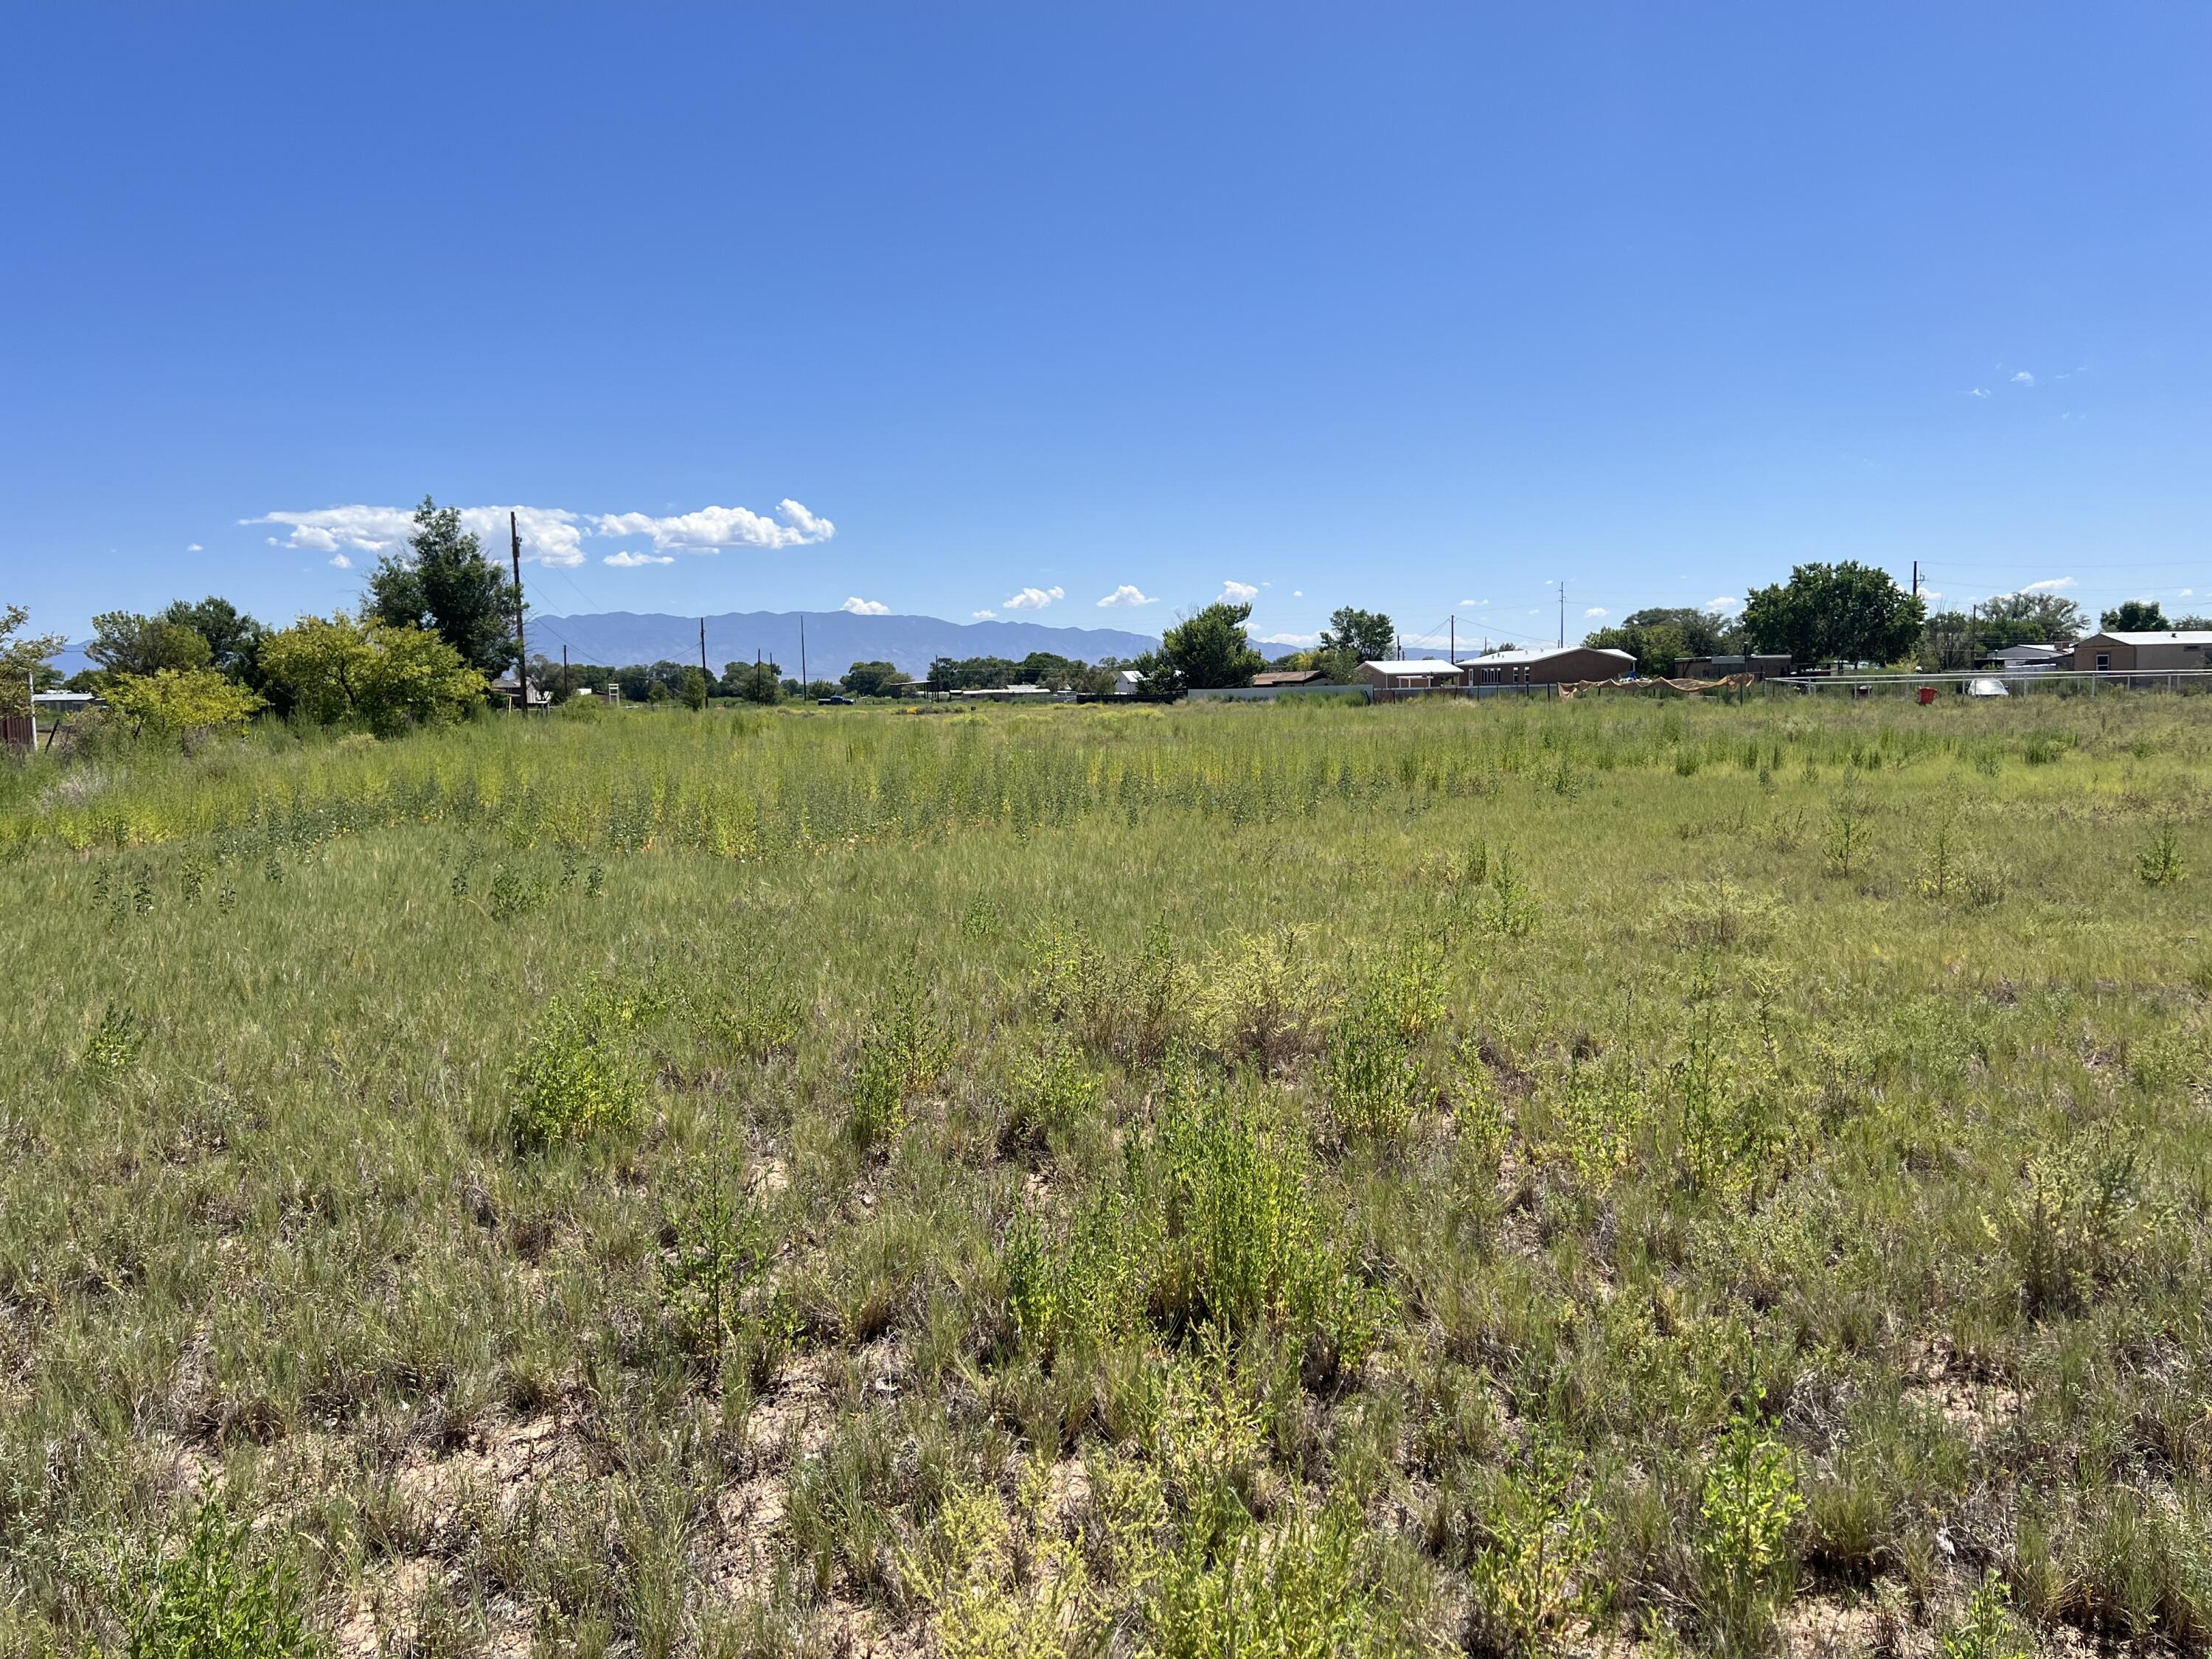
1658 647
1049 668
972 673
695 689
348 668
871 679
760 682
22 658
182 702
124 642
1847 612
443 584
1703 634
1160 680
2135 616
1211 649
2054 619
233 638
1362 635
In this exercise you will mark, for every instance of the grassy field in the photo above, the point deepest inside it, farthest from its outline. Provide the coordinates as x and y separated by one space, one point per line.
1249 1180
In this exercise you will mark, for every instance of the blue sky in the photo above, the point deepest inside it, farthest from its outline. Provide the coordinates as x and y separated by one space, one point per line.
1422 308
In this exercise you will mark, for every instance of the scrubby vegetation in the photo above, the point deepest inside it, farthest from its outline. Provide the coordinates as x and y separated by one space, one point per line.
1173 1181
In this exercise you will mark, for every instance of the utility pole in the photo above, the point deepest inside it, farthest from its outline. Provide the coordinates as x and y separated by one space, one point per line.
702 645
1916 578
802 653
522 649
1563 616
1454 639
564 673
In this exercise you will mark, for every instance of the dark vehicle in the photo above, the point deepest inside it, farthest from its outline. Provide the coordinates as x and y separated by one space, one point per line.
839 700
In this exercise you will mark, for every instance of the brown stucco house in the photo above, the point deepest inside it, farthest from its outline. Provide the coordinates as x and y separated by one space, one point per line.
2159 652
1563 665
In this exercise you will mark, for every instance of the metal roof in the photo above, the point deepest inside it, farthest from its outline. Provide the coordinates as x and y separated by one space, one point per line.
2161 636
1414 668
1520 654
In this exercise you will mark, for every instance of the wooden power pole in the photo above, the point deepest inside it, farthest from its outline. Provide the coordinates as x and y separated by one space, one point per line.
522 649
702 645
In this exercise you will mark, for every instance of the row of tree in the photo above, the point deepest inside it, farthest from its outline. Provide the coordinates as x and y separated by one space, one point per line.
1855 613
437 621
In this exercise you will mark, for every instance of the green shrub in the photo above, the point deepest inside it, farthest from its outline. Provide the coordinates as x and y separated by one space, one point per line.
1532 1573
1749 1502
212 1600
1042 1093
1245 1238
2159 864
115 1044
901 1055
580 1072
1309 1588
2068 1227
1375 1082
1988 1630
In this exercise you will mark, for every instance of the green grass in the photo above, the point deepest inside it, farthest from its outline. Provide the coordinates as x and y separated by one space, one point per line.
1166 1181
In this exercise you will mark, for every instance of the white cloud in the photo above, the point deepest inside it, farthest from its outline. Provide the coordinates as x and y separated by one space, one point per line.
2051 586
1472 605
2023 379
341 562
194 547
1298 593
1127 594
1290 639
984 615
1237 593
861 607
1978 392
331 529
1597 610
2188 592
550 535
1724 603
1034 598
627 560
711 529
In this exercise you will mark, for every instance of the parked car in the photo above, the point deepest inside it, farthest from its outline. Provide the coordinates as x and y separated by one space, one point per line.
839 700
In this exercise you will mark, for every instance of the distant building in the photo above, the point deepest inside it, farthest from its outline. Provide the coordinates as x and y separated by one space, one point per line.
1425 675
1289 677
1760 665
1564 664
505 689
2145 653
1128 683
2027 658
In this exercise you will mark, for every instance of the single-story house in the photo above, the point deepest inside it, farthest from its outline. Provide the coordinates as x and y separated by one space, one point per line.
1008 694
1426 674
1128 683
1759 665
2145 653
2027 659
1548 665
505 687
1289 677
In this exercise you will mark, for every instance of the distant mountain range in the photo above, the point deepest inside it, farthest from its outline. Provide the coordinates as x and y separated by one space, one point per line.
835 640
